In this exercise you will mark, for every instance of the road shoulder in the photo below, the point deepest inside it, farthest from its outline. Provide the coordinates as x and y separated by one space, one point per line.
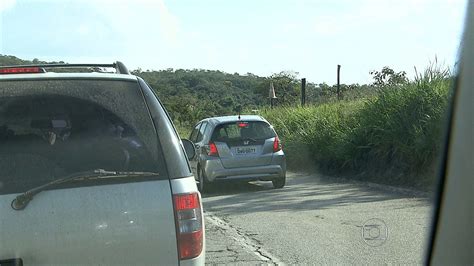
226 244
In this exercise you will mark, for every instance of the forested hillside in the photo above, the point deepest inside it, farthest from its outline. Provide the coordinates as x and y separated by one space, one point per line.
190 95
6 60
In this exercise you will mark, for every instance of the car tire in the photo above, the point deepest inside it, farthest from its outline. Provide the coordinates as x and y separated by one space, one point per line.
280 182
203 185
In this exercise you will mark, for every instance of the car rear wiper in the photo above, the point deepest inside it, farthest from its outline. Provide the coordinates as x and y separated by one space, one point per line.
251 139
20 202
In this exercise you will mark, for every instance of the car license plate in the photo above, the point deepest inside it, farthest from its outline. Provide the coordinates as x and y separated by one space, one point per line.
246 150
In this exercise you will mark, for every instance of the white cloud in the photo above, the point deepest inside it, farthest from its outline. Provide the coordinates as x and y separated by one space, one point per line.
370 13
83 29
289 27
126 17
6 4
169 25
329 25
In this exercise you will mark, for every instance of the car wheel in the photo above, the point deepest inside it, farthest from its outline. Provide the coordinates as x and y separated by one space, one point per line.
203 185
280 182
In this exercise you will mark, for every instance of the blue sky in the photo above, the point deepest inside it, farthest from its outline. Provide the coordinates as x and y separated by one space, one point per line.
257 36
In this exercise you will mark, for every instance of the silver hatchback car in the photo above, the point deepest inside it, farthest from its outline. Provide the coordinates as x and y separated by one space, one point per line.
237 148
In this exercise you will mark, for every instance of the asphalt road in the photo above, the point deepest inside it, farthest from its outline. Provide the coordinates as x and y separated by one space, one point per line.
315 219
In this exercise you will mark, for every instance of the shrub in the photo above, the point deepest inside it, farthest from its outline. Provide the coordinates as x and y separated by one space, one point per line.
396 133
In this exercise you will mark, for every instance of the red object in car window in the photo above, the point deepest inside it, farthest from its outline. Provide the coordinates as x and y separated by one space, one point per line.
242 124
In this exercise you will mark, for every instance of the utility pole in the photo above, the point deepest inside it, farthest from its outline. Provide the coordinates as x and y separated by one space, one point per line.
303 91
338 82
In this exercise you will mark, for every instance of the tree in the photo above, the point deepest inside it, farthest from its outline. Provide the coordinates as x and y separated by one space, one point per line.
286 86
388 77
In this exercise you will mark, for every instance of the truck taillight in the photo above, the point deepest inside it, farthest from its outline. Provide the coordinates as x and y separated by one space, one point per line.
212 149
276 144
189 225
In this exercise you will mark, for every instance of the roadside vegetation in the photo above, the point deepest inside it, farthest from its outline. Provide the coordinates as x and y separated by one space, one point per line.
393 136
389 131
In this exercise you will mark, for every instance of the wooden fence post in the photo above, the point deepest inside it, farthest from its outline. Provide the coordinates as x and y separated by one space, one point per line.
338 82
303 91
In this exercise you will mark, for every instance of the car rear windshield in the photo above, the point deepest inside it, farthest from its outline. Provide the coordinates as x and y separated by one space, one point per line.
242 130
51 128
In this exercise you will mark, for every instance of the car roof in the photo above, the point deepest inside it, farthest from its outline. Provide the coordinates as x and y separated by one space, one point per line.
53 75
234 118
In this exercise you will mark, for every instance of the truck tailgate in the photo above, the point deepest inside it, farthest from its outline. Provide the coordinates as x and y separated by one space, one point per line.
131 223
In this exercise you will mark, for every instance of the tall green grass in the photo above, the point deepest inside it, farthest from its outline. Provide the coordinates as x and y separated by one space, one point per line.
392 137
183 131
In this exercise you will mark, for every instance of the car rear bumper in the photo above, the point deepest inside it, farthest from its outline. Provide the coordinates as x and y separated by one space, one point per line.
214 170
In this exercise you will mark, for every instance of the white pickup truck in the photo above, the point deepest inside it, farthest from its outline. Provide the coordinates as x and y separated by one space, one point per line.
93 172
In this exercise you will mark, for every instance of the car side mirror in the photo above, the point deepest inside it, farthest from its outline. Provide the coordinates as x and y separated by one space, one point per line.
189 148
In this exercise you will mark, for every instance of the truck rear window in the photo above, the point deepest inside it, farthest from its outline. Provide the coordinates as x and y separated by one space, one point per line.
51 128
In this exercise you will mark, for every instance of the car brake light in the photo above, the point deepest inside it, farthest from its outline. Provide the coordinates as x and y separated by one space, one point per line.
21 70
276 144
189 225
242 124
212 150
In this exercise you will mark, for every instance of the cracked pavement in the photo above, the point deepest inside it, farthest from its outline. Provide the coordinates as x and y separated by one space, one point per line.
226 245
315 219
